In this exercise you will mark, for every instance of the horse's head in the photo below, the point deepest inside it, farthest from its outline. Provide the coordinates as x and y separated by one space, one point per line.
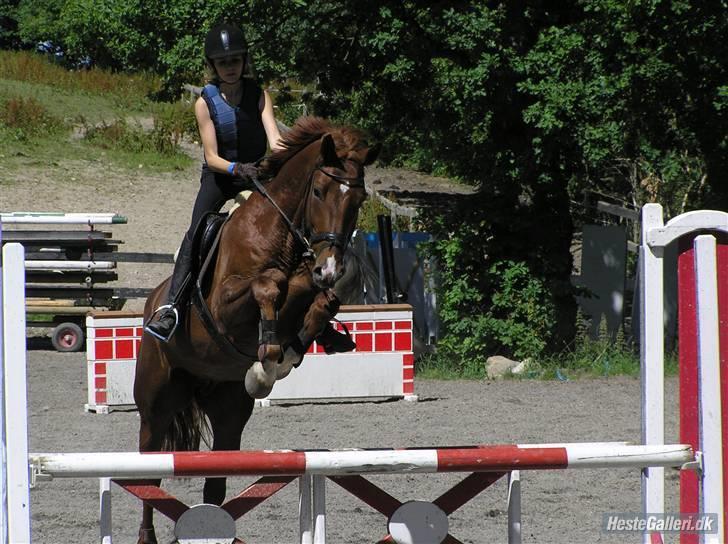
337 192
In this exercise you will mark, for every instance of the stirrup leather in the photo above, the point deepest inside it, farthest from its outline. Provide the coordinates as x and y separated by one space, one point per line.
176 322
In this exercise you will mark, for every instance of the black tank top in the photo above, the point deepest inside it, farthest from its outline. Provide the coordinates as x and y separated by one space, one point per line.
252 141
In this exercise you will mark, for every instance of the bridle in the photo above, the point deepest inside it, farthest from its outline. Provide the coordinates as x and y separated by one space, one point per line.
334 239
306 236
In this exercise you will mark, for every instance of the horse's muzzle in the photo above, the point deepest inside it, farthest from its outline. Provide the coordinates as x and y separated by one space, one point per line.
327 273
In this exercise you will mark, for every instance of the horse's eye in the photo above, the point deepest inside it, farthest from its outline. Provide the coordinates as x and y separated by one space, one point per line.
317 193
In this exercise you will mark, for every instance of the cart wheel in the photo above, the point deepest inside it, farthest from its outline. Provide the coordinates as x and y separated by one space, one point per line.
67 337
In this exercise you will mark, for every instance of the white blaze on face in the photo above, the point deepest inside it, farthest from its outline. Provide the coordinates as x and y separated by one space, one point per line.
344 187
329 269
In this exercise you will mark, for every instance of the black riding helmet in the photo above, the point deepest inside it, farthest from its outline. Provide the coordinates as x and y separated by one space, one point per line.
224 40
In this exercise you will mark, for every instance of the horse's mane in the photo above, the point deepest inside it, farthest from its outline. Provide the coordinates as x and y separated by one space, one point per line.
307 130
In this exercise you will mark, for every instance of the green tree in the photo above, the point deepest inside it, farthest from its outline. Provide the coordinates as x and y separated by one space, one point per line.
9 38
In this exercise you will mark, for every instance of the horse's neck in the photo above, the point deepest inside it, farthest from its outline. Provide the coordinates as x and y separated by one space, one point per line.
289 188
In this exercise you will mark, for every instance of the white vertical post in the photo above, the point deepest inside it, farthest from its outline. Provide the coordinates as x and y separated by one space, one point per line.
3 459
305 526
652 359
15 392
105 510
711 435
514 507
319 509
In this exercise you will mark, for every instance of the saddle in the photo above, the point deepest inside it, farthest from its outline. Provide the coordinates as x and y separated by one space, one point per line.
204 245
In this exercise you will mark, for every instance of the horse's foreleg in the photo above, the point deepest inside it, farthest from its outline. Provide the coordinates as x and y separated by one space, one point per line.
325 306
268 291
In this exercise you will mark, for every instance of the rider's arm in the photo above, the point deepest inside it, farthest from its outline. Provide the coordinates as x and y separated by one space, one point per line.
209 139
269 122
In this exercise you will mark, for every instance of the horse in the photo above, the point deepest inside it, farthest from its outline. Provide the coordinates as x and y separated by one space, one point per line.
270 294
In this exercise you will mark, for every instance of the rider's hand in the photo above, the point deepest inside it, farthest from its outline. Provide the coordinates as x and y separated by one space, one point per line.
245 170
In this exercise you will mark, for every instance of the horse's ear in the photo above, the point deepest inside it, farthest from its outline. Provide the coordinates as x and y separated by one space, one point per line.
372 154
328 151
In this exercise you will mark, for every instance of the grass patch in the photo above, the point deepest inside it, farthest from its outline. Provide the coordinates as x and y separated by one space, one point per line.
22 119
129 90
586 358
69 104
39 111
433 367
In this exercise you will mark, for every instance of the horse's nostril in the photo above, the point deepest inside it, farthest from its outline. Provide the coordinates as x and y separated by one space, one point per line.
317 271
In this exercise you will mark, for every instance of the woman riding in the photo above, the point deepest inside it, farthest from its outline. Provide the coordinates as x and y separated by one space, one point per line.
236 124
235 119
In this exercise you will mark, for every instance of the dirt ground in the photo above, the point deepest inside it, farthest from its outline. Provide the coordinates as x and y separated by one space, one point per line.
558 506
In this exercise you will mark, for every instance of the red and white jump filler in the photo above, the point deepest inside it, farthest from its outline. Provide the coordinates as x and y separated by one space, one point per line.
381 366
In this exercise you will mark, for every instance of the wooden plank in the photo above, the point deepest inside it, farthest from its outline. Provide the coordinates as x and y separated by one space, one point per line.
114 314
87 266
619 211
54 235
56 218
62 291
73 276
72 252
70 310
137 257
102 253
133 292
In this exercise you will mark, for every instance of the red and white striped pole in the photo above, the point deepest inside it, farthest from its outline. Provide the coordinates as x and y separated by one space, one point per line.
499 458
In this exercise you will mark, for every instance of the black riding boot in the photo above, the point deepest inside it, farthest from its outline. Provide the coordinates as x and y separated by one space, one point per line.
168 315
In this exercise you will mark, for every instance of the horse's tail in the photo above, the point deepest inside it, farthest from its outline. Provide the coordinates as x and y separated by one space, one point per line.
188 428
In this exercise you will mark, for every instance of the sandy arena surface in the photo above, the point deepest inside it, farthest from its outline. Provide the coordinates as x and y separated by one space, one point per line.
558 506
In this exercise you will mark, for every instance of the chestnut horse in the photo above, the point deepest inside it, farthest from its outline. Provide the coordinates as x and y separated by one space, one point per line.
270 295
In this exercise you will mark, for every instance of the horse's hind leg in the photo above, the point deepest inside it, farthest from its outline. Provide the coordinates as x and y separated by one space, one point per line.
158 394
228 407
268 291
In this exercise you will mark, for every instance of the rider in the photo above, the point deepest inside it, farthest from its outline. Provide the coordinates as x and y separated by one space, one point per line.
235 119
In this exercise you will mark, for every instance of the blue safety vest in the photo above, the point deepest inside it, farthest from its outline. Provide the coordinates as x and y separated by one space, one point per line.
224 117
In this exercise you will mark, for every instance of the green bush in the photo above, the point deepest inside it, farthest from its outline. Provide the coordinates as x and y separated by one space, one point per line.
514 319
27 118
117 134
172 122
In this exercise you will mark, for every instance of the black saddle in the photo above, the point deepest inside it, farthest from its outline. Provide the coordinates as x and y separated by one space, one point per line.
205 234
204 246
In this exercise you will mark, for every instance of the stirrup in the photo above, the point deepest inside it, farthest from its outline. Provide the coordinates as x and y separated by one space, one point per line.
174 328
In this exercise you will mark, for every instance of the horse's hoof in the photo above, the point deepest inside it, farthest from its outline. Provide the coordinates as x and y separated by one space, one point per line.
147 536
258 383
290 360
